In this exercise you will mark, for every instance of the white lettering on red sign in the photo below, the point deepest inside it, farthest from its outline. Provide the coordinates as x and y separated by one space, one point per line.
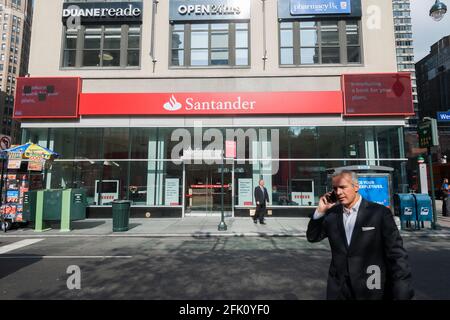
195 105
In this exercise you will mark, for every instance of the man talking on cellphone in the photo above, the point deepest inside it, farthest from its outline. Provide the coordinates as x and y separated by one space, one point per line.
368 258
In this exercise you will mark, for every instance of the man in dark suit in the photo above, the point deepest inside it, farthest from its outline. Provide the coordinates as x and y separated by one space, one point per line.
368 258
262 198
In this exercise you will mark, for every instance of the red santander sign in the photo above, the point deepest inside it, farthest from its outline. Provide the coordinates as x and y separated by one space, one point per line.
211 103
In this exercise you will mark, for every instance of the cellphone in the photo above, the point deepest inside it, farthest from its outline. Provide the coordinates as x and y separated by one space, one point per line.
332 198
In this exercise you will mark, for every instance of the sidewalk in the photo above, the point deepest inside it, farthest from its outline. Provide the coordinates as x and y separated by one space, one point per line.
201 227
175 227
205 227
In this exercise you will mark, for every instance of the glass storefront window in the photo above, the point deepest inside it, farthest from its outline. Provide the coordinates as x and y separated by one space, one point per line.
303 141
202 44
89 142
115 143
102 46
136 163
320 42
331 142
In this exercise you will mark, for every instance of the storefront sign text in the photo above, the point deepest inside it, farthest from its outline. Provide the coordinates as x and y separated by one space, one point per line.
299 9
316 7
103 11
212 103
209 10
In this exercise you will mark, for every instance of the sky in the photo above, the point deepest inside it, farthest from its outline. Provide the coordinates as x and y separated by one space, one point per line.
426 31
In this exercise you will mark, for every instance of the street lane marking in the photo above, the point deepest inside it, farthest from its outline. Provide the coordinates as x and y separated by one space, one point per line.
18 245
66 257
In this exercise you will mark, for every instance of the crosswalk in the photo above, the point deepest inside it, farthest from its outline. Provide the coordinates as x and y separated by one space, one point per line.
18 245
6 249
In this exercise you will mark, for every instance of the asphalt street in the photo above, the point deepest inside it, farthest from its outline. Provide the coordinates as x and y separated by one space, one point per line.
188 268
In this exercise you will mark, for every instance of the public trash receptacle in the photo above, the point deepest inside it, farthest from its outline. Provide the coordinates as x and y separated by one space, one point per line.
424 207
121 215
405 207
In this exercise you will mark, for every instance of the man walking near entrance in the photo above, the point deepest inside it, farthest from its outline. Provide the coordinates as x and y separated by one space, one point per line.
262 198
445 197
368 259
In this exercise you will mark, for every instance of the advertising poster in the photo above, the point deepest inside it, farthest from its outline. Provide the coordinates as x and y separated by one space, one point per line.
172 192
12 183
245 192
12 196
375 189
384 94
47 97
36 164
14 160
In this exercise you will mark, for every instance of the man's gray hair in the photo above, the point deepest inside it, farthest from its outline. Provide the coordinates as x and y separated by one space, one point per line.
352 174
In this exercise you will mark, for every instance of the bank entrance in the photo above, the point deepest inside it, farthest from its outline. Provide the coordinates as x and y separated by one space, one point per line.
204 189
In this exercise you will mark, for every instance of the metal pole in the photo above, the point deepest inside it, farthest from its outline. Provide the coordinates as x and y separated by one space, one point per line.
1 182
433 198
222 225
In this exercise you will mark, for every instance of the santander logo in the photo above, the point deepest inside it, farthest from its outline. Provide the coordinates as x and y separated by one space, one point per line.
173 105
198 104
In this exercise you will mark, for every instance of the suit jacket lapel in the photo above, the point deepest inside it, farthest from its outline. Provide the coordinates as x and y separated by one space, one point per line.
340 224
362 212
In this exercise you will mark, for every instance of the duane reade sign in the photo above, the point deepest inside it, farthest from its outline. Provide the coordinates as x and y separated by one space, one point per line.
191 10
103 11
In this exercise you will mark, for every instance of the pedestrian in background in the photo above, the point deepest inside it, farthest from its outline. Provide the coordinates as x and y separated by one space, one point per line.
445 197
262 198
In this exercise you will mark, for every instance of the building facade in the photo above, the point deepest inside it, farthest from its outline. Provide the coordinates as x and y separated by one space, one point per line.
405 50
433 80
15 21
158 93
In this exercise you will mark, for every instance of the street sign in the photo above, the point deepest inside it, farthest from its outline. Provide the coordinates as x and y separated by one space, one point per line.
5 142
428 133
443 116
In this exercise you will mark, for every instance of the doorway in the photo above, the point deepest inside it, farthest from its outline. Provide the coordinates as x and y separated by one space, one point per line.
204 189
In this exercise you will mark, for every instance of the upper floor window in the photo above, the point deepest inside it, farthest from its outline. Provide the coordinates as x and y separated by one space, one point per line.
102 46
310 42
210 44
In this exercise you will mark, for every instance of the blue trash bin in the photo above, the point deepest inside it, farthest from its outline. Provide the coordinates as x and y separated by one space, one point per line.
424 208
405 207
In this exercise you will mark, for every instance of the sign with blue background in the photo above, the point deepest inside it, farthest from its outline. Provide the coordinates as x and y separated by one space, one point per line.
305 9
443 116
375 189
314 7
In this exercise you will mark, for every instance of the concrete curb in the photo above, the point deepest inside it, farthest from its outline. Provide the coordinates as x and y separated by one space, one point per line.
200 235
158 235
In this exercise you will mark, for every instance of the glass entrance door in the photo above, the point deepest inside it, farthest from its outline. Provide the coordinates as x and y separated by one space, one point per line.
204 189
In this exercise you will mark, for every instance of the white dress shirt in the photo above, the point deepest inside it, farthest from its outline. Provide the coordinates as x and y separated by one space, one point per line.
349 216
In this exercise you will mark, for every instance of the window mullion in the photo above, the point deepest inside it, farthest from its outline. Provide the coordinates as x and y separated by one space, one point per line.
102 40
296 42
232 44
209 43
342 24
80 47
319 37
187 44
360 42
124 45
